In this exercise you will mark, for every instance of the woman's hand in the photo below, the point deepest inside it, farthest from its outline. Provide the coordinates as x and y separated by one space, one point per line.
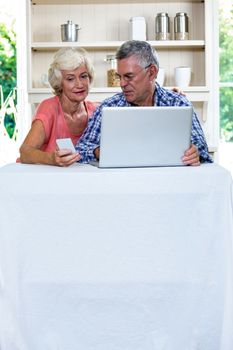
178 90
65 157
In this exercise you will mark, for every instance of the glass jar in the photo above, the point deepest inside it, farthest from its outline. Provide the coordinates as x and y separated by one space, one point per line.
112 80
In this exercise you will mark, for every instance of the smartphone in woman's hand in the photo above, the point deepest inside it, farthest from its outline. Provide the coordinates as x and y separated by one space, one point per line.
65 143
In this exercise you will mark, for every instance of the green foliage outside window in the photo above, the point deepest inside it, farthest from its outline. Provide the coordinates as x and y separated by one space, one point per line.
8 79
226 74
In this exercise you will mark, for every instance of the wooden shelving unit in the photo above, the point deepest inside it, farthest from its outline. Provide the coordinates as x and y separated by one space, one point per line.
105 26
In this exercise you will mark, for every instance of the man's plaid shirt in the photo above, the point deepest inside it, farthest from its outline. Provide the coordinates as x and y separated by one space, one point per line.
163 97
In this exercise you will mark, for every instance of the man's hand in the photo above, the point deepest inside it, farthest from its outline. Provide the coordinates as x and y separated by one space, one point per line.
97 153
191 156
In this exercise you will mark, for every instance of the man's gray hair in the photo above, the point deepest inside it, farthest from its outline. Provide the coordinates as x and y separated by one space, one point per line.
143 50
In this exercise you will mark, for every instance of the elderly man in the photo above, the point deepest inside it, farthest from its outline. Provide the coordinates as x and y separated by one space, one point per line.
137 69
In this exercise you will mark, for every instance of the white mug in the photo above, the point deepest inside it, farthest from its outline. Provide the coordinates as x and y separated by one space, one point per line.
161 76
182 77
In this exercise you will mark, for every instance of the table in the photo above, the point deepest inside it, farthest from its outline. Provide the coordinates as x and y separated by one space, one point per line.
124 259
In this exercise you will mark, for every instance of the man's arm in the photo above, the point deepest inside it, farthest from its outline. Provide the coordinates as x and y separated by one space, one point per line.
198 139
165 97
90 139
197 136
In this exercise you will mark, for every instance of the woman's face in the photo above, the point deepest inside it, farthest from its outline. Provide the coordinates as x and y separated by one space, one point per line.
75 83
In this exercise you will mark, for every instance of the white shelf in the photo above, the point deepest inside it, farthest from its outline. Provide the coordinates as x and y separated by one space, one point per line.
44 46
75 2
193 93
212 149
117 89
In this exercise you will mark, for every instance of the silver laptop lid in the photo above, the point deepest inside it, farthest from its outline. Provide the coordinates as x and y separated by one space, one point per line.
144 136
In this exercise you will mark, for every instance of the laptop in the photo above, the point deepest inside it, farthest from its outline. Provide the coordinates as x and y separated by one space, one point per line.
144 136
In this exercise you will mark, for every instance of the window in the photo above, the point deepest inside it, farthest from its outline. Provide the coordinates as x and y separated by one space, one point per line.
226 82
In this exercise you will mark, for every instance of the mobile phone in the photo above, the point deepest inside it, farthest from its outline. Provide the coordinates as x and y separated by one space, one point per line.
65 144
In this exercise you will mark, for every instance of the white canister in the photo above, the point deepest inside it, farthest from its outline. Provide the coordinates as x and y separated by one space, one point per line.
182 77
137 28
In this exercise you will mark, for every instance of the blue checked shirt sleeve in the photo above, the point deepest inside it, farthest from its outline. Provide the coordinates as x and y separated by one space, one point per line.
198 139
90 140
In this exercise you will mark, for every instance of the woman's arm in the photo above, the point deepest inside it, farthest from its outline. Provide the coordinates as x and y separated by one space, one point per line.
30 150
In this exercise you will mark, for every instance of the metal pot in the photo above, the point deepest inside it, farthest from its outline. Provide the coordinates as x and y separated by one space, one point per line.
69 31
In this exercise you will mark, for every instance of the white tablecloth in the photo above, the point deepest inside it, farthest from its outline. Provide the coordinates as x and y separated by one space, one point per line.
125 259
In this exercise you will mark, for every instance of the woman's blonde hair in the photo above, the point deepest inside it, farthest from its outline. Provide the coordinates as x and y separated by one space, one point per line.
68 59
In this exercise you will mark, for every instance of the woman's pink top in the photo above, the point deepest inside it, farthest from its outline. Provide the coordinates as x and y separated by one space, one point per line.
50 113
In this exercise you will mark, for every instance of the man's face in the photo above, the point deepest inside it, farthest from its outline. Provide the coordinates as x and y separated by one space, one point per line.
137 83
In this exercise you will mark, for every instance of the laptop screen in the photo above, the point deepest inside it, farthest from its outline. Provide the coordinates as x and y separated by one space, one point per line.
144 136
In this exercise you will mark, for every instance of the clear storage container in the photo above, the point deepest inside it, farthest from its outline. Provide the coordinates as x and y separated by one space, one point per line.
112 80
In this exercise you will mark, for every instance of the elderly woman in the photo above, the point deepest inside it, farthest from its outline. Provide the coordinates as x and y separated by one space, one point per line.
64 115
